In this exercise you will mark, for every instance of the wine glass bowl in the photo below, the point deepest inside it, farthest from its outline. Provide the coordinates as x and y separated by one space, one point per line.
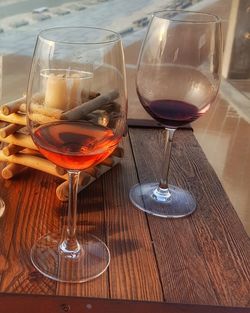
178 78
176 105
76 115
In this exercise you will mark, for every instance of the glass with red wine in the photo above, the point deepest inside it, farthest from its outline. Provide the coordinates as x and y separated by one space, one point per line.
76 114
178 79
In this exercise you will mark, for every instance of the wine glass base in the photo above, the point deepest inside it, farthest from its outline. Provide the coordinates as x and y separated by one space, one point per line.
91 261
181 203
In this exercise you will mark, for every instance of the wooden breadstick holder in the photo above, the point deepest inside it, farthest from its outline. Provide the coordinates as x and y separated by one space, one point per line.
21 153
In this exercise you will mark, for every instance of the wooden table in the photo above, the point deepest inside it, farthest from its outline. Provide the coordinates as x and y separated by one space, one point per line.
201 259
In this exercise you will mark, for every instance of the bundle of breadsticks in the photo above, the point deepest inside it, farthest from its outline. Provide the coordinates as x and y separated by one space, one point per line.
19 152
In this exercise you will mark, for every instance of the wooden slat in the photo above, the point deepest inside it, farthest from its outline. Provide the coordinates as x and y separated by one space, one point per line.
37 211
90 219
180 263
11 194
40 304
203 258
133 269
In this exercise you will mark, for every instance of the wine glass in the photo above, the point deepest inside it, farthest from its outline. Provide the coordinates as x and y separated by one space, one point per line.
76 114
178 78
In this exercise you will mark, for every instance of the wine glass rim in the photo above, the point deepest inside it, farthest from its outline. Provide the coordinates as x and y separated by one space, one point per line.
213 18
82 75
114 36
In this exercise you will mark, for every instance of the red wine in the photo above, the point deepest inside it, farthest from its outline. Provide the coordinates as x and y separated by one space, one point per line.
75 145
172 113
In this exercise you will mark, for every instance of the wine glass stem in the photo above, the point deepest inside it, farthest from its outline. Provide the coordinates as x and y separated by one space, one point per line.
162 192
70 244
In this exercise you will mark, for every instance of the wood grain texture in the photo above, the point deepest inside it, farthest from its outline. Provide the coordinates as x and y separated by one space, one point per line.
203 258
133 270
11 197
36 213
90 219
40 304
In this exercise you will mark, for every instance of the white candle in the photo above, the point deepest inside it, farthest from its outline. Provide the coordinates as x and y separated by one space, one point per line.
75 89
56 95
65 90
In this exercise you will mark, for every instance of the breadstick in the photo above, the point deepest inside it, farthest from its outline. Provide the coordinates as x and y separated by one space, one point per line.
93 171
62 190
42 114
32 152
84 109
11 149
108 162
14 118
93 94
12 169
12 106
118 152
32 161
20 103
19 140
9 129
41 118
47 111
60 170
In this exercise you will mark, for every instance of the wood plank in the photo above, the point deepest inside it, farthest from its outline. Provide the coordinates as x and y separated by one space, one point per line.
40 304
11 193
133 270
180 263
205 255
37 211
90 219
